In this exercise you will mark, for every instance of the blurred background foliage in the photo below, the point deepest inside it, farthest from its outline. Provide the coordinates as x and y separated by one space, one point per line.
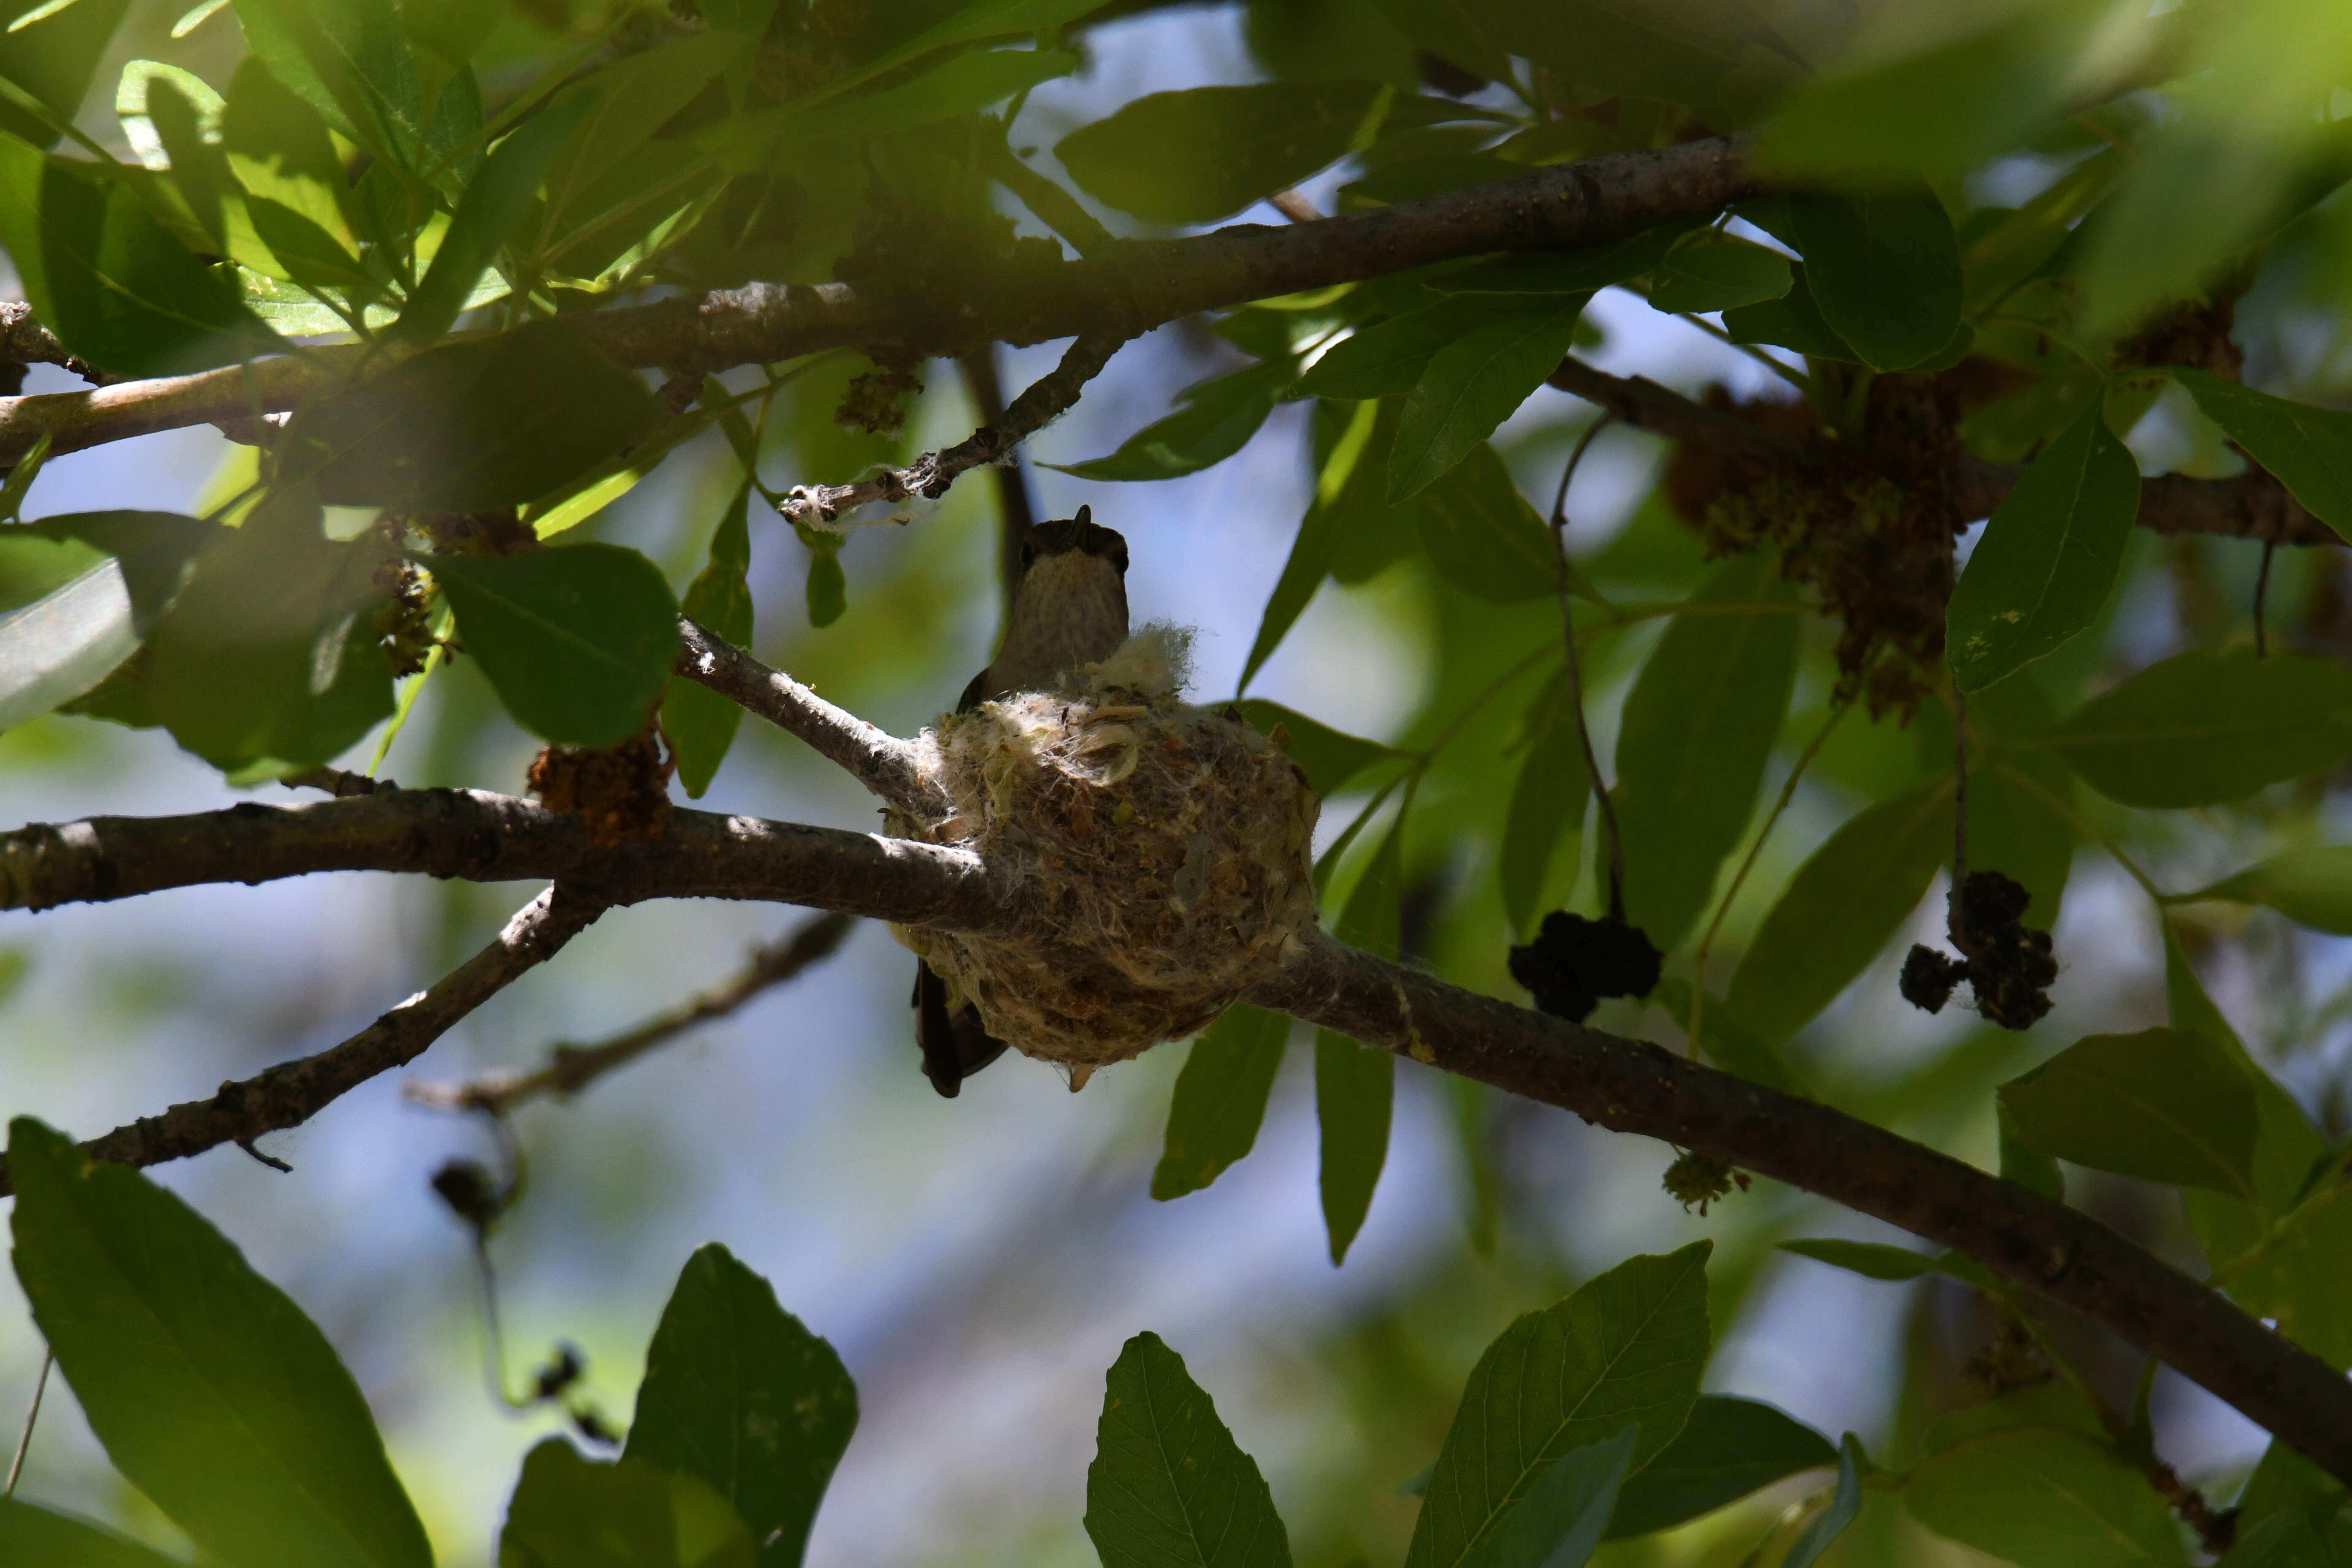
2108 169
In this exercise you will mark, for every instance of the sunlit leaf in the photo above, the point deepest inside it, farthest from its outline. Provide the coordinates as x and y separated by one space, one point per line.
52 59
31 1534
1169 1487
578 640
741 1396
212 1392
349 61
568 1511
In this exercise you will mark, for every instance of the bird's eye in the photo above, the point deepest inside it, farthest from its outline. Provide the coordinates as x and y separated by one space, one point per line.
1120 555
1028 555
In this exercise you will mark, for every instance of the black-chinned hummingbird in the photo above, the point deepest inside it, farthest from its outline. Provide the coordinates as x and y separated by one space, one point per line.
1069 609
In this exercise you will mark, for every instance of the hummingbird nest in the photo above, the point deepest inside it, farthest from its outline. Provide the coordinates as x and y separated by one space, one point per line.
1167 847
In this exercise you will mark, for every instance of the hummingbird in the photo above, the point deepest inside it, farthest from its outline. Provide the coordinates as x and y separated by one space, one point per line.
1068 609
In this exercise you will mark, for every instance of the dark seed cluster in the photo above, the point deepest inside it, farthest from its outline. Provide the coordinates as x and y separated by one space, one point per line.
2008 966
1573 962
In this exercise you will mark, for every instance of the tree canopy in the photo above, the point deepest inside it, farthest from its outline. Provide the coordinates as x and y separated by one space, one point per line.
1912 792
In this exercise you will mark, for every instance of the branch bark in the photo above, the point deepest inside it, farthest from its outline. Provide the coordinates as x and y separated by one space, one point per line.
571 1068
1626 1085
292 1092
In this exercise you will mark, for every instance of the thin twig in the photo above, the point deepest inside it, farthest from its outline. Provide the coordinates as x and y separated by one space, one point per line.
1608 813
571 1068
929 476
2261 593
292 1092
25 1439
888 767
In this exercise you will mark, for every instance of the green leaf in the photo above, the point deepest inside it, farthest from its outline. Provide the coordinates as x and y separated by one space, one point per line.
2312 1537
1791 321
1318 542
701 724
2203 727
496 201
1471 386
107 278
625 103
1849 898
154 550
1728 1449
2308 449
1169 1487
1388 358
2165 1104
1355 1088
2048 562
1845 1502
740 1395
1942 109
212 1392
1627 1347
266 661
69 637
978 20
1546 803
1716 272
1329 757
1204 153
1480 533
1698 728
52 60
307 253
1220 1100
955 87
2015 830
1562 1517
470 426
571 1512
29 1534
2285 1480
2310 886
577 640
827 592
2022 1162
349 61
2044 1497
1871 1259
1885 270
1216 419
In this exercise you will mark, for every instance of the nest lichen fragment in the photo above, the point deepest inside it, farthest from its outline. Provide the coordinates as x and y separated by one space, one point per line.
1166 847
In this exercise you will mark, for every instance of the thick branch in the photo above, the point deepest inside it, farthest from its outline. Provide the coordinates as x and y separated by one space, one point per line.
1630 1086
930 476
884 763
1116 291
1622 1084
292 1092
571 1068
487 837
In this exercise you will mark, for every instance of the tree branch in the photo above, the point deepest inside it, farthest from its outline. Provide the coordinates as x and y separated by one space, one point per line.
571 1068
1626 1085
1630 1085
1118 291
292 1092
884 763
488 838
929 476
